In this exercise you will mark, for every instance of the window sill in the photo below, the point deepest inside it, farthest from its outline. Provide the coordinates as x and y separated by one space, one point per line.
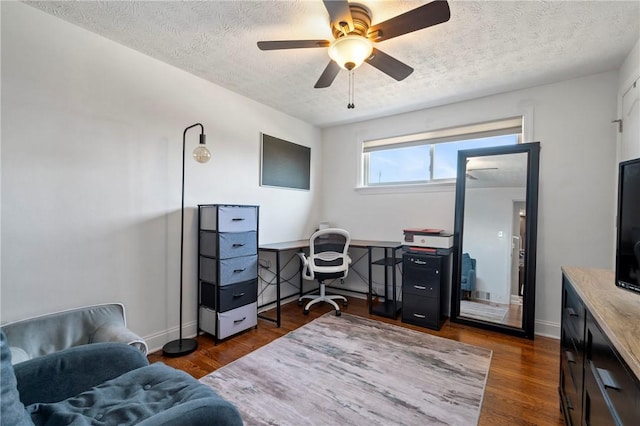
407 188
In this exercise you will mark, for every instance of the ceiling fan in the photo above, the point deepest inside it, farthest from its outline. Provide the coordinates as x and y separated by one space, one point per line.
354 37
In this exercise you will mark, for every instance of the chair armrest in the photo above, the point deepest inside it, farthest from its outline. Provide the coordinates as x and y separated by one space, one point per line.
307 273
61 375
113 332
199 412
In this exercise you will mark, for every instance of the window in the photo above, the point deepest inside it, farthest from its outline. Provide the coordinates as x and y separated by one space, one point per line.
432 156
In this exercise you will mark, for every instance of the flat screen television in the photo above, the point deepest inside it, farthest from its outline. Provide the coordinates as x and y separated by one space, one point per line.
284 164
628 237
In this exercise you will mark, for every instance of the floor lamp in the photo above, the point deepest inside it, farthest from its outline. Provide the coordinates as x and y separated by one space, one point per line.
201 154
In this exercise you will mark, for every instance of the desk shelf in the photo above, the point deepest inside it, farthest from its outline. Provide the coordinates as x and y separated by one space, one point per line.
390 307
388 261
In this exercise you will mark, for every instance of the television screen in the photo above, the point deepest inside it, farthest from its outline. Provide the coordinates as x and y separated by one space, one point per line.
284 164
628 238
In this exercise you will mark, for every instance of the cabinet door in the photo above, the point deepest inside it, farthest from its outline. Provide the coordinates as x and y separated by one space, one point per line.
608 373
571 354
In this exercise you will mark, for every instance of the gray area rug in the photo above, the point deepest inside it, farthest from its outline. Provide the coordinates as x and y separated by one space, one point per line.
483 311
350 370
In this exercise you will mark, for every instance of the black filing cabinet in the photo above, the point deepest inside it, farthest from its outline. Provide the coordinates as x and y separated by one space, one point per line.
425 284
227 268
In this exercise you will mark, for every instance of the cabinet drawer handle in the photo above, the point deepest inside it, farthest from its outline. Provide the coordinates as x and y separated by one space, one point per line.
607 380
571 312
238 321
238 295
437 272
238 245
237 219
419 287
239 270
420 262
419 316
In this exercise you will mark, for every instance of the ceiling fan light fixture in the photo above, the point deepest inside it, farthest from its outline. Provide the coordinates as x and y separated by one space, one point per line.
349 52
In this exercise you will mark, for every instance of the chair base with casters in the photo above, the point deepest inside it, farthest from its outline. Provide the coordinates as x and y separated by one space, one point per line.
323 297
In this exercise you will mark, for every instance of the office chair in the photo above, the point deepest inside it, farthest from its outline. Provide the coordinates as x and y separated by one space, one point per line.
328 259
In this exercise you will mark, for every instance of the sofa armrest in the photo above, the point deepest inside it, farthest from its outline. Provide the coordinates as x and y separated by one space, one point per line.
63 374
114 332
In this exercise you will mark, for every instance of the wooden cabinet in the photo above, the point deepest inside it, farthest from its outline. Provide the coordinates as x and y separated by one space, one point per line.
598 386
227 268
571 355
425 283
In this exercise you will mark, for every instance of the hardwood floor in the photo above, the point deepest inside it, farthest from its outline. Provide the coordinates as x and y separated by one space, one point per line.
521 388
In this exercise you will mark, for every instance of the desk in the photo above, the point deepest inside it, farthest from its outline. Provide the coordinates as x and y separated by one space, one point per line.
391 306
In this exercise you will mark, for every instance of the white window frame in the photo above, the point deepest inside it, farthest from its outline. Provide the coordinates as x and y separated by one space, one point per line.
503 126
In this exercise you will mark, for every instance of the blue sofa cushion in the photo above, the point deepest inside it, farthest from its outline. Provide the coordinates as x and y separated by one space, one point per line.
136 397
12 411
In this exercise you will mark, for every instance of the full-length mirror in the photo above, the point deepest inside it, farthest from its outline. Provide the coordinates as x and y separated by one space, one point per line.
495 238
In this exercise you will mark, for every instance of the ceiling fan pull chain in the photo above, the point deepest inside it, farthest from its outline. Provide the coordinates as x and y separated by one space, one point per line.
350 105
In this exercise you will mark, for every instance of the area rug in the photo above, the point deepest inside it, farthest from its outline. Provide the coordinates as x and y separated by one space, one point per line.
483 311
350 370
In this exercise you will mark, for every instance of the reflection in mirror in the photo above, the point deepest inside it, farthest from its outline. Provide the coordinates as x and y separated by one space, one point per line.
492 286
495 194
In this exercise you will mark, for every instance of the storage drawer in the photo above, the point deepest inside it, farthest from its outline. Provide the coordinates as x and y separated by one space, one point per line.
231 270
422 311
239 294
422 290
573 315
236 320
229 218
611 376
238 244
422 270
238 269
571 392
230 244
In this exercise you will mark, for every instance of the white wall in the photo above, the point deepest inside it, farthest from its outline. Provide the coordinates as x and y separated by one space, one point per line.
91 173
571 119
488 225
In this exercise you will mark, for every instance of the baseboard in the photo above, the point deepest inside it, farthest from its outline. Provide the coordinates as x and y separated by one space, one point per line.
156 341
547 329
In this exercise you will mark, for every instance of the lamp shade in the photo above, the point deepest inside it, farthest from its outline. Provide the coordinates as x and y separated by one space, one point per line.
351 51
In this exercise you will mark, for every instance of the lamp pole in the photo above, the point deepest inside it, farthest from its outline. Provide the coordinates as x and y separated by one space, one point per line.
201 154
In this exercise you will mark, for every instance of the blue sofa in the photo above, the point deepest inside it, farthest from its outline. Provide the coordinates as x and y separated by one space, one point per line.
107 384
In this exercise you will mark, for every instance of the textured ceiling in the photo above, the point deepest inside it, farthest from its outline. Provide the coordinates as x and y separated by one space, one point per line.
486 47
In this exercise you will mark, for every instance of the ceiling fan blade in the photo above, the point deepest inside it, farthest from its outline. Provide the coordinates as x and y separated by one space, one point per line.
292 44
328 75
389 65
421 17
339 13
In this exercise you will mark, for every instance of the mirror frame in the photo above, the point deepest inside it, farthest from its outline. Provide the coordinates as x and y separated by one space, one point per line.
533 165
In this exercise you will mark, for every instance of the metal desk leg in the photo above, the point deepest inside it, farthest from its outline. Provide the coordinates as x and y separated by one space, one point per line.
370 283
278 310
